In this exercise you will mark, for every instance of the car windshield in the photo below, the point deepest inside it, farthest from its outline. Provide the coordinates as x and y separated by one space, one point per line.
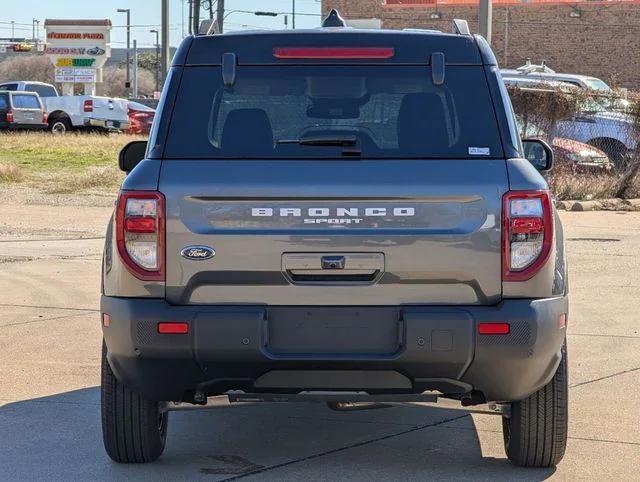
597 84
332 111
140 107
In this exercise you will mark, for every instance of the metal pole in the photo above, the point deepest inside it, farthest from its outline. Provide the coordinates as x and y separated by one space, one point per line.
182 12
485 14
128 52
13 32
293 15
165 37
157 69
128 81
33 28
506 37
220 16
135 69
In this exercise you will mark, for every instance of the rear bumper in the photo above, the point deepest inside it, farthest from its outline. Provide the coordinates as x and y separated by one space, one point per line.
253 348
107 124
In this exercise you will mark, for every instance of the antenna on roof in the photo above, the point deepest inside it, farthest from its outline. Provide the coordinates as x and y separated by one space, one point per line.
461 27
334 20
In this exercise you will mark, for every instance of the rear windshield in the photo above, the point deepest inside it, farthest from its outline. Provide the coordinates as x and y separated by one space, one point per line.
25 101
371 111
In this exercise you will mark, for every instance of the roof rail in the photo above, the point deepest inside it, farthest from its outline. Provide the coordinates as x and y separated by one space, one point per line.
334 19
529 68
461 27
208 27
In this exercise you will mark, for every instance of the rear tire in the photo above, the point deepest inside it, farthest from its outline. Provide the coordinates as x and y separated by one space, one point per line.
60 125
536 433
134 430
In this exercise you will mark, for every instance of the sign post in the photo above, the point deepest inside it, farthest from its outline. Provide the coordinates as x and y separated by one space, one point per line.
78 49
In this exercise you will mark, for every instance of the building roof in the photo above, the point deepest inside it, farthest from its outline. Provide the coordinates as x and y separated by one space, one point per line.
83 22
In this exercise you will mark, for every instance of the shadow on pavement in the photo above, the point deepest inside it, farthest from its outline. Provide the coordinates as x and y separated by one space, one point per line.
59 437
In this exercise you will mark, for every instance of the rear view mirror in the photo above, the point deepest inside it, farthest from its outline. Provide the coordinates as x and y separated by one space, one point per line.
131 155
538 153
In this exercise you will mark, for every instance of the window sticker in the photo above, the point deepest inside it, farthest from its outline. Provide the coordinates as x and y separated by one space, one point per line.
479 151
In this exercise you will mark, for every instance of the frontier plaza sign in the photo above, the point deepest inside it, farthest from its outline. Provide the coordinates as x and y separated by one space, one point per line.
78 49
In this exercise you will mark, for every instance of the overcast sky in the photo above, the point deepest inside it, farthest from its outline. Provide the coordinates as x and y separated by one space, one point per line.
145 15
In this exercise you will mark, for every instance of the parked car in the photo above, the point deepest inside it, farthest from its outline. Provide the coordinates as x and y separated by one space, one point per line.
21 110
74 112
140 118
340 215
612 131
542 72
580 156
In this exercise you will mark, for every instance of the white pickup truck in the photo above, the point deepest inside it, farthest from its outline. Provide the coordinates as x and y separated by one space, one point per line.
71 112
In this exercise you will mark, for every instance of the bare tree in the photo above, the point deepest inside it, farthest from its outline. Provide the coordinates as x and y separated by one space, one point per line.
32 67
113 82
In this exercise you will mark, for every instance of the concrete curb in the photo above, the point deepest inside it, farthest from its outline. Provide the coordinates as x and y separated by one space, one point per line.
600 205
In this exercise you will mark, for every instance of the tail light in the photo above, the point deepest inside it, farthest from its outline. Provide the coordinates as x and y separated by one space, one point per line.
88 105
527 233
45 117
140 233
9 116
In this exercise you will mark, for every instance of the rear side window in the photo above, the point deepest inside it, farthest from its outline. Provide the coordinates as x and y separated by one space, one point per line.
41 90
25 101
4 104
390 111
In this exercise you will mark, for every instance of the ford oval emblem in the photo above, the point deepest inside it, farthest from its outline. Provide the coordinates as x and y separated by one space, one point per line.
198 253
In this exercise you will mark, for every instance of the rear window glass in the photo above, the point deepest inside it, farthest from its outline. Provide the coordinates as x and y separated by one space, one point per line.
382 111
3 102
41 90
24 101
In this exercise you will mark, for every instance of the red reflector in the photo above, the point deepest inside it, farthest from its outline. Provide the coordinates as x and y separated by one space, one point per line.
106 320
140 225
493 328
562 321
333 52
173 328
526 225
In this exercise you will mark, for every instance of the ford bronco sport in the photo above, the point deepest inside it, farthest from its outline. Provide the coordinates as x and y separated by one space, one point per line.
339 215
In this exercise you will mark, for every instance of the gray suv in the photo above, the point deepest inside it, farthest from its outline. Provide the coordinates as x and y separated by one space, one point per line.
335 215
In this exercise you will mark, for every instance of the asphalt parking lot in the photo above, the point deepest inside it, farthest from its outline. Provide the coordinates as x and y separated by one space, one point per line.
50 357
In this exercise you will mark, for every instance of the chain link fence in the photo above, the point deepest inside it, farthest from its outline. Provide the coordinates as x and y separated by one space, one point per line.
595 136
